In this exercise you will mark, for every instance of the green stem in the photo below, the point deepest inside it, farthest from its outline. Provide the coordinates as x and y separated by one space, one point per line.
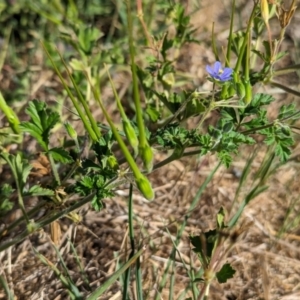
228 54
5 287
12 118
46 221
21 203
136 95
82 100
131 237
53 168
82 116
287 70
5 45
210 107
213 43
7 230
177 153
75 166
119 104
247 66
128 156
99 291
245 42
285 88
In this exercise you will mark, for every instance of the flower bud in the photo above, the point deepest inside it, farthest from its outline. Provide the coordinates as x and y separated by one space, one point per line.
231 91
168 80
240 90
286 129
224 92
32 226
147 157
112 162
73 134
131 136
145 187
264 10
70 130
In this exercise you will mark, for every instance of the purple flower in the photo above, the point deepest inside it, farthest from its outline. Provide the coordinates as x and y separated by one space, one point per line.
216 72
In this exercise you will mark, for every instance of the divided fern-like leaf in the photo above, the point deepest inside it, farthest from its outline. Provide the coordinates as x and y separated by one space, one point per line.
61 155
42 121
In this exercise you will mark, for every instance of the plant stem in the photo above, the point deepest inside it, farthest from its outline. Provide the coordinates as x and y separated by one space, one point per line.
87 125
136 95
12 118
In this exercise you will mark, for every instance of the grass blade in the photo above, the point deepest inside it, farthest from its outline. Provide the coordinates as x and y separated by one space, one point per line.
182 227
69 285
8 292
98 292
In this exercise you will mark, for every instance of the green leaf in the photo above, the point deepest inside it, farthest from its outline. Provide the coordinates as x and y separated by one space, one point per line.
260 119
85 182
198 241
225 273
23 168
261 99
283 152
89 165
281 55
34 109
61 155
87 36
286 111
220 218
37 190
41 123
193 108
280 135
199 279
20 168
225 158
77 65
34 131
5 204
152 113
97 203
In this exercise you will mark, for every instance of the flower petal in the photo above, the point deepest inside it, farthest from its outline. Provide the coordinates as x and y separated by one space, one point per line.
217 73
227 71
210 71
217 67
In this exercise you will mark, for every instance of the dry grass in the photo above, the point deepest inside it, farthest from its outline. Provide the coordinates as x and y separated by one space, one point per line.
267 261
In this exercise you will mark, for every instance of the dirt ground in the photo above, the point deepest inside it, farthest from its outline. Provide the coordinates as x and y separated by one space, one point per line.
267 259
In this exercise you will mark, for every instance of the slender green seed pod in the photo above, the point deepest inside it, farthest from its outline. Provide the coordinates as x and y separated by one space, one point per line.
147 157
131 136
145 187
240 89
248 92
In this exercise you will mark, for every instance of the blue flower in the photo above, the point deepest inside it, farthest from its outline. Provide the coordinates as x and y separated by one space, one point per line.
216 72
